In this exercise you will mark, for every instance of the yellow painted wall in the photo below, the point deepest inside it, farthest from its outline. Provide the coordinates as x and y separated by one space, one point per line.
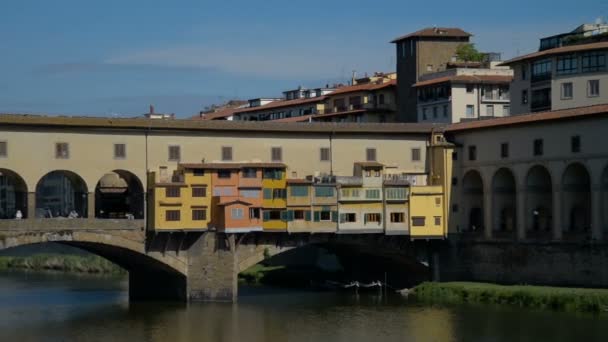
423 203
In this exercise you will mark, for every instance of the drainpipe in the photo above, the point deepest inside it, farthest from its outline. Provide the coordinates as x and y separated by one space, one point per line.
478 102
331 154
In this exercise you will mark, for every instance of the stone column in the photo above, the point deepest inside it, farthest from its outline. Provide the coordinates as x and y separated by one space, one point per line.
557 213
488 220
213 268
31 205
91 205
521 214
596 213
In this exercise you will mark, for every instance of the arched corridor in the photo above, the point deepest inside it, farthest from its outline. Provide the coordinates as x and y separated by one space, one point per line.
13 195
604 199
119 194
576 198
504 203
61 193
472 188
539 203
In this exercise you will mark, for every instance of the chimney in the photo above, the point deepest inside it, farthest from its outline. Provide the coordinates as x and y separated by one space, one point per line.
151 109
353 82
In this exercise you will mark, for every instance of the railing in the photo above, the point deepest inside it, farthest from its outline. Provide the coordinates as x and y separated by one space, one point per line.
56 224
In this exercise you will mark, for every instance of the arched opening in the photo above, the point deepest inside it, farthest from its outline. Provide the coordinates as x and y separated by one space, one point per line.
13 195
504 203
472 187
119 194
539 202
604 201
576 195
61 194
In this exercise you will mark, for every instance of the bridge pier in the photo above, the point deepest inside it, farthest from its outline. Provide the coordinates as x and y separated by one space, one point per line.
150 285
213 268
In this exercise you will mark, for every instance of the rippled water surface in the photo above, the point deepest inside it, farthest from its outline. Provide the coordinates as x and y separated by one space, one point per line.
62 307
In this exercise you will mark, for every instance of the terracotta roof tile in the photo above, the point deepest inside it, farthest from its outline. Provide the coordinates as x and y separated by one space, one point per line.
362 87
436 32
281 104
466 79
564 114
223 166
557 51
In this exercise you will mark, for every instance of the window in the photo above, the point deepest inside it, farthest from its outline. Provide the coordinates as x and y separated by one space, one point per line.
454 181
455 208
415 154
445 111
226 153
538 147
470 88
566 91
348 217
236 213
370 154
198 172
249 173
298 191
120 151
276 154
418 221
250 193
372 217
199 214
593 88
594 61
62 150
381 99
254 213
541 99
524 71
524 97
272 215
434 112
396 193
575 144
567 65
438 220
488 92
298 215
174 153
172 215
454 155
504 150
268 194
490 110
506 110
470 111
368 173
223 191
423 113
324 191
272 174
172 191
377 173
324 154
325 215
437 202
541 70
279 193
3 150
225 174
200 191
372 194
472 152
397 217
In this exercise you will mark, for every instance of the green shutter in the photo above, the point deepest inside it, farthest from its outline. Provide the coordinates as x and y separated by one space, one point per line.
334 216
284 215
266 215
317 216
290 215
267 193
307 215
342 218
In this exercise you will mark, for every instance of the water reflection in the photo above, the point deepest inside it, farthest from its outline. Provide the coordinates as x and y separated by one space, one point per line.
59 307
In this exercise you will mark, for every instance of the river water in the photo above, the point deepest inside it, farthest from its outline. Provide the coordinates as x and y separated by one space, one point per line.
38 306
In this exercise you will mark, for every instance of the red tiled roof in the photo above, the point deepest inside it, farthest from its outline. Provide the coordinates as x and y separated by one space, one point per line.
436 32
466 79
302 118
215 166
564 114
362 87
281 103
557 51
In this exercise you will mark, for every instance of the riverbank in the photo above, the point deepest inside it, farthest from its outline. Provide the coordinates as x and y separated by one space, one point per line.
61 262
524 296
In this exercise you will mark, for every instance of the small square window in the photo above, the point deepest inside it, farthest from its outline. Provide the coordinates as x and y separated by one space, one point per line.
324 154
224 174
470 111
276 154
174 153
172 215
62 150
593 88
370 154
472 153
438 220
470 88
226 153
415 154
418 221
566 91
504 150
438 201
538 147
172 192
575 144
199 214
120 151
3 149
490 110
199 191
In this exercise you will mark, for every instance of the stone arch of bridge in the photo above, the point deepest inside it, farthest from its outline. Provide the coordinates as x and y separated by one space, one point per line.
60 193
13 195
119 194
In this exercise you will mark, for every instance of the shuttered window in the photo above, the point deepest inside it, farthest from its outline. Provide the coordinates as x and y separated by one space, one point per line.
298 191
276 154
370 154
3 148
324 154
199 214
172 192
418 221
199 192
62 150
172 215
415 154
397 217
120 151
174 153
226 153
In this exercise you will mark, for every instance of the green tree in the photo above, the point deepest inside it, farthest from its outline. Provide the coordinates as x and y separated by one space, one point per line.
468 53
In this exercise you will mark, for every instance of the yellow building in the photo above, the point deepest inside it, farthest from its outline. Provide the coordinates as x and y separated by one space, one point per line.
179 201
274 203
312 205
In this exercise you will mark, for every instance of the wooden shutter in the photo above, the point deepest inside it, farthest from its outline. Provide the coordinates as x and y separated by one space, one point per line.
307 215
317 216
334 216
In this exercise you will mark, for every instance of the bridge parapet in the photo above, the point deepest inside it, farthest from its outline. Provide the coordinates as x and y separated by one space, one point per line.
57 224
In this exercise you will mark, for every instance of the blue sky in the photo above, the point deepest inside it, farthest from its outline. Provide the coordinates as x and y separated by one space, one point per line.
112 57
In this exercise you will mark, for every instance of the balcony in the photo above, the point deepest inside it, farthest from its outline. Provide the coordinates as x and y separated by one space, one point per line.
540 77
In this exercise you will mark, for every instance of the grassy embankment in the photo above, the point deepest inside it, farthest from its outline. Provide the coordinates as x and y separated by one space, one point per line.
61 262
536 297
